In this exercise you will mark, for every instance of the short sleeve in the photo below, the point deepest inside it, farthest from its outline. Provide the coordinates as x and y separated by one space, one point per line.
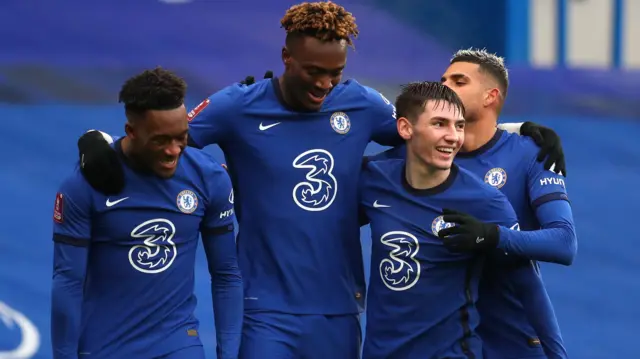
544 185
72 211
383 115
208 122
219 215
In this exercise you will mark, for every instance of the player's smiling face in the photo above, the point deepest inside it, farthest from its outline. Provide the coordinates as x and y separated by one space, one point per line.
436 135
312 69
466 80
159 138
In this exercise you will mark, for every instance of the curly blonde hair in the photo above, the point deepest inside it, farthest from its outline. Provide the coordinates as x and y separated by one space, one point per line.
326 21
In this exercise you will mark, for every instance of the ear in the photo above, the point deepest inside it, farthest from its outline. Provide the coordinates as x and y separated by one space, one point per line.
405 128
286 57
129 130
492 97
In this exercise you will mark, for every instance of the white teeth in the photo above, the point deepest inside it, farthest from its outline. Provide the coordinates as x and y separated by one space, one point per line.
445 149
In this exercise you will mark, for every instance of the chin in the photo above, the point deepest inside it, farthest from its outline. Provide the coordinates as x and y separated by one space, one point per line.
443 166
309 106
164 173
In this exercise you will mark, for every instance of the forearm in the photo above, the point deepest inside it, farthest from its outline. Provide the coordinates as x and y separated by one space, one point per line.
227 294
66 300
554 245
226 291
556 242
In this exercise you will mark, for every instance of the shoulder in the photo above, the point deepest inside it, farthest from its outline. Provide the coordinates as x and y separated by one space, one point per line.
521 146
205 162
74 187
373 169
232 96
370 95
359 95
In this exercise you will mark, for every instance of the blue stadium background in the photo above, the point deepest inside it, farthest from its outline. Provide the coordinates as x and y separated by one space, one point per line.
62 62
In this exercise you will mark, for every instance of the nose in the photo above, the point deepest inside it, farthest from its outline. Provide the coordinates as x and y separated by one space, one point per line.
174 149
324 82
452 135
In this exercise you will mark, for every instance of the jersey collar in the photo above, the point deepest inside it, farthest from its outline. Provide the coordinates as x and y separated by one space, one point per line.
434 190
484 148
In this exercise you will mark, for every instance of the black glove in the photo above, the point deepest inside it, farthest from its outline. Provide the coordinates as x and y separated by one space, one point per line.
468 234
99 164
250 80
550 146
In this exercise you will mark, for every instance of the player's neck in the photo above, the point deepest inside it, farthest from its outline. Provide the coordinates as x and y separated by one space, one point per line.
421 176
130 158
285 94
478 133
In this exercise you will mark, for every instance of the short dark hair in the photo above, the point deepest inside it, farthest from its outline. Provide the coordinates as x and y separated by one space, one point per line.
413 98
156 89
324 20
489 63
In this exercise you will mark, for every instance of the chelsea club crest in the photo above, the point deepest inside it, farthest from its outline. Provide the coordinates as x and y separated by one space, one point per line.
496 177
340 122
439 224
187 201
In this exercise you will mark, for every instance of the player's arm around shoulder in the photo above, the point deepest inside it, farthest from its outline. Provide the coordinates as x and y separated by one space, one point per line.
218 239
555 241
211 119
382 114
549 198
71 237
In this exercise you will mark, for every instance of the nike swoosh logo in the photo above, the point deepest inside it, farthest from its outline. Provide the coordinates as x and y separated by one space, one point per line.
378 205
111 204
263 127
479 239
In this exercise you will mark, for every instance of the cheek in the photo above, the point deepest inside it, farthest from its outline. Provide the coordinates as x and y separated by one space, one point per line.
425 140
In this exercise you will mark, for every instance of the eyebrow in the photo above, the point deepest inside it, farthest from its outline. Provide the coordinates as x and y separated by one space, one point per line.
455 76
316 67
457 120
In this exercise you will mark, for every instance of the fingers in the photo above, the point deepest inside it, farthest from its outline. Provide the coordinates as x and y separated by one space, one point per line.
549 164
537 137
249 80
447 211
451 231
561 167
455 218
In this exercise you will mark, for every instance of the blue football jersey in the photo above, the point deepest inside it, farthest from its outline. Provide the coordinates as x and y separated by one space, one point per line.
138 297
512 287
421 300
508 162
295 177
